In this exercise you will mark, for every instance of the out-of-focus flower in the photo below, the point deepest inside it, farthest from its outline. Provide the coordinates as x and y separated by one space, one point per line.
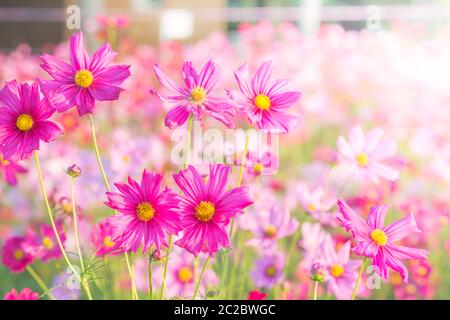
197 97
102 236
85 79
146 215
312 238
317 203
264 102
268 270
269 225
65 286
365 155
342 271
24 120
25 294
257 295
318 272
378 242
261 164
74 171
9 170
45 245
15 254
207 208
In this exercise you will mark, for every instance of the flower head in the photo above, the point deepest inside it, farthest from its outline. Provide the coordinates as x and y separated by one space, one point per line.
265 102
257 295
146 215
318 272
102 236
24 120
207 208
268 270
15 254
45 245
25 294
365 155
196 97
378 242
85 80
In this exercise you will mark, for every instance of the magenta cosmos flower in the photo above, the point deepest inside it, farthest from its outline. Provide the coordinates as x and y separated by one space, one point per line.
9 170
378 242
146 214
24 120
196 97
85 80
44 245
15 254
207 208
265 101
25 294
102 236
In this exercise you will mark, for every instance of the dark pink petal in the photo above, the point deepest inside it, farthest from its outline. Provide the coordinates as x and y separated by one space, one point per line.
234 201
376 217
366 249
48 131
402 252
353 222
85 102
401 228
105 92
277 122
209 76
217 182
191 183
57 68
284 100
61 96
78 55
102 57
189 75
395 264
380 266
9 96
261 79
176 116
113 75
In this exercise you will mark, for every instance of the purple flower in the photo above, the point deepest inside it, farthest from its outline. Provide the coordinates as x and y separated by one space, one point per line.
24 120
196 97
268 270
85 79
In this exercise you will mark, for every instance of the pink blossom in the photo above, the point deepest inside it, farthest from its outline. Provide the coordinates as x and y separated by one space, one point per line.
25 294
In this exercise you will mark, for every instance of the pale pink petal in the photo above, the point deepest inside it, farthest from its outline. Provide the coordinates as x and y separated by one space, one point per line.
401 228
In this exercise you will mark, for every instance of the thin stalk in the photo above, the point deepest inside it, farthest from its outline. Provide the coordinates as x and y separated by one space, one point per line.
40 282
150 275
358 280
197 287
316 286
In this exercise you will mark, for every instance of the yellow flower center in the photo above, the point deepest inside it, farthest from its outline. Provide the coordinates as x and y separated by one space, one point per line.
271 271
3 161
107 242
270 232
185 274
18 254
83 78
145 211
262 102
396 279
422 271
411 289
379 237
258 167
362 159
312 207
204 211
198 95
47 243
24 122
337 270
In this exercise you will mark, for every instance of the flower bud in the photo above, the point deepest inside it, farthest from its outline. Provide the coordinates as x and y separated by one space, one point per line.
318 272
74 171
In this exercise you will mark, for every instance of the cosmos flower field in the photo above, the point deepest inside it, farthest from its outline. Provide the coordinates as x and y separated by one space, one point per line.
106 194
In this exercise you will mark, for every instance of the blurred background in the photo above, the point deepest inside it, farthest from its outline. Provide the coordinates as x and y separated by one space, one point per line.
40 23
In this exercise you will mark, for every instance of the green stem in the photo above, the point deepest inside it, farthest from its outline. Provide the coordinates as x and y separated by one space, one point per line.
41 283
105 181
188 141
197 287
150 275
355 289
166 266
316 286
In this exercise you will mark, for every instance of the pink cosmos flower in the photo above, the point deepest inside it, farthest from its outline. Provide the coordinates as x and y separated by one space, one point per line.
102 236
268 270
15 254
317 203
197 97
378 242
265 101
365 155
9 170
342 271
25 294
146 214
85 80
269 225
207 208
45 245
256 295
312 238
257 164
24 120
